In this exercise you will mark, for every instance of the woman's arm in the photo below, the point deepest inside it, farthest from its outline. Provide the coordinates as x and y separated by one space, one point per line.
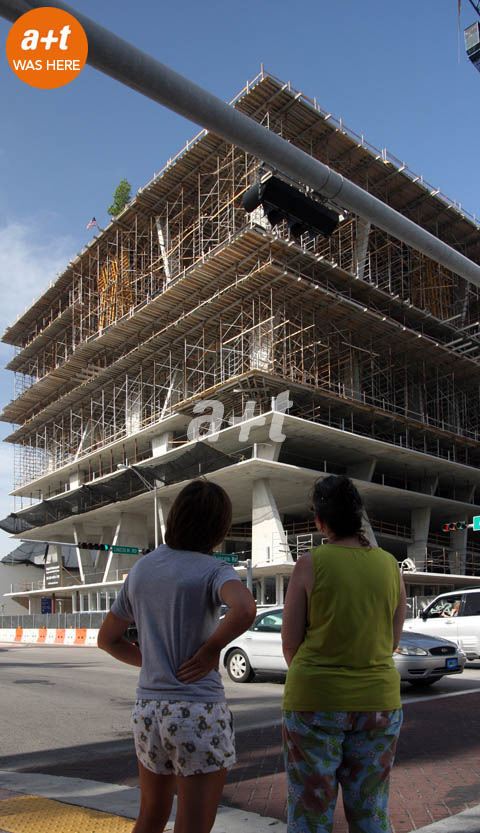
112 640
239 616
399 615
296 607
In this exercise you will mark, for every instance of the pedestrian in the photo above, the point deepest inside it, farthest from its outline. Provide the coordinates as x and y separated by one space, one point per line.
181 723
343 617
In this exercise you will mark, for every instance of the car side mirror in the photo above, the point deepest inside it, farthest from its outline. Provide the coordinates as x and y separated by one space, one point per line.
422 615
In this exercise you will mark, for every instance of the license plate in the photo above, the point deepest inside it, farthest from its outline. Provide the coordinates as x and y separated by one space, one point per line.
451 663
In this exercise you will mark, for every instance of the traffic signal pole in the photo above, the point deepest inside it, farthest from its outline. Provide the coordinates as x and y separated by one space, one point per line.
121 60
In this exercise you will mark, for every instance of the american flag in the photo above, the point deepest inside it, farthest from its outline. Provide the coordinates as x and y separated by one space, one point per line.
92 223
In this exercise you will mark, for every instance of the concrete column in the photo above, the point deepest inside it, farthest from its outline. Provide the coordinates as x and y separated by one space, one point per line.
267 451
161 443
102 557
133 407
83 556
363 469
279 589
164 506
458 551
361 247
420 524
76 479
428 484
269 541
465 493
367 526
352 377
131 531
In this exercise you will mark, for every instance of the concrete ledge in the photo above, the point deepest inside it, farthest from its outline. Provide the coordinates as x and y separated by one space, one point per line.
124 801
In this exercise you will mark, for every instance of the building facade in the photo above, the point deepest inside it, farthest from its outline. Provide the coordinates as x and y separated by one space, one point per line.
191 338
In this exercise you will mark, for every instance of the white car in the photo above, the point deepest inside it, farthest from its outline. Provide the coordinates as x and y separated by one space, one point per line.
420 659
454 616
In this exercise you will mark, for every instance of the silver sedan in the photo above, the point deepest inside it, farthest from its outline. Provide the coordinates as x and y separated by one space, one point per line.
420 659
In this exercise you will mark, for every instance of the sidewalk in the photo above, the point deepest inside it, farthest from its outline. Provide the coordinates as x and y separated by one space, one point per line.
435 783
34 803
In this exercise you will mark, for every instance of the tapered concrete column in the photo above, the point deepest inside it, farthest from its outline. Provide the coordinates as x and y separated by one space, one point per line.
458 551
164 506
83 556
465 493
428 484
102 557
269 541
420 525
130 531
363 469
368 529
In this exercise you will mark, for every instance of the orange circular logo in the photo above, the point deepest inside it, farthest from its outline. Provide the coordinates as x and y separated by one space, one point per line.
47 48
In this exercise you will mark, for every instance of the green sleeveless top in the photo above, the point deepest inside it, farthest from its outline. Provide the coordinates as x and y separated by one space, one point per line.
345 661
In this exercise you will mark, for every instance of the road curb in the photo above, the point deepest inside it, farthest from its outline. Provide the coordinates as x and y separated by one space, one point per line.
124 801
467 821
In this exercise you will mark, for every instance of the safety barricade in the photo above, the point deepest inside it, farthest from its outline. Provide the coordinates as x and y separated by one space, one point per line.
50 636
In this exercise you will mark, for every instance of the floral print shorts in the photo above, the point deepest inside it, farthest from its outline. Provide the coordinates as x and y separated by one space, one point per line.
179 737
325 749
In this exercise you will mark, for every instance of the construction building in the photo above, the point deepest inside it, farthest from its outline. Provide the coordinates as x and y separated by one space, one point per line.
193 338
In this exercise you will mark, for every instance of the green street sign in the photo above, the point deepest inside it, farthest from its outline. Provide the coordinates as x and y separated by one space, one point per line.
227 557
125 550
476 523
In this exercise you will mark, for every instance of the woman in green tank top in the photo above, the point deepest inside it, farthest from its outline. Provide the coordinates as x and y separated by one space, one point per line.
343 618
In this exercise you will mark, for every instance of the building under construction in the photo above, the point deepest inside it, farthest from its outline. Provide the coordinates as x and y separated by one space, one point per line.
186 297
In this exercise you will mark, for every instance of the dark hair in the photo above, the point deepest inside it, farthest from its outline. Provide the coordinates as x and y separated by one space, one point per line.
338 504
200 517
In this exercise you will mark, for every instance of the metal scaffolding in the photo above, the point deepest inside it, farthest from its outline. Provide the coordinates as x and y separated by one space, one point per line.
184 296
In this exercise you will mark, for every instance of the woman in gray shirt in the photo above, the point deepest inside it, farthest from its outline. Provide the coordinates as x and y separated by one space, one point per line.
181 723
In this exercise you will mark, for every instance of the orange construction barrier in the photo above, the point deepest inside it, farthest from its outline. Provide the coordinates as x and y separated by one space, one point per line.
42 634
60 636
80 636
18 634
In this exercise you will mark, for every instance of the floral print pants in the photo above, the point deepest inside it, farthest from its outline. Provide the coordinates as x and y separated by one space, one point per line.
324 749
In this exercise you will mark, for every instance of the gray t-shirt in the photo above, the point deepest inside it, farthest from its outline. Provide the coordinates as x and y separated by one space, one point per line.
173 596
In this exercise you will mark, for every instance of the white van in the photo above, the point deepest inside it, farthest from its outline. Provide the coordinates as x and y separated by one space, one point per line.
455 616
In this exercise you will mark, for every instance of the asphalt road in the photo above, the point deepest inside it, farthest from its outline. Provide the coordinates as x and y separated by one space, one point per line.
66 710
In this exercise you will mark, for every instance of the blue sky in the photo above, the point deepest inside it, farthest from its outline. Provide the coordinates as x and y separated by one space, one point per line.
394 72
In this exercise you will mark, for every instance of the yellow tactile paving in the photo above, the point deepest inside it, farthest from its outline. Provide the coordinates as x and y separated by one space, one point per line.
31 814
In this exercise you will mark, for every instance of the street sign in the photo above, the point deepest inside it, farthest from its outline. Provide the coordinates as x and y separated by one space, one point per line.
53 574
476 523
229 558
46 604
125 550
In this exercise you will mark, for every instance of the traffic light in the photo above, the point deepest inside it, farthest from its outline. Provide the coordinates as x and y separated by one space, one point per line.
281 201
101 547
454 526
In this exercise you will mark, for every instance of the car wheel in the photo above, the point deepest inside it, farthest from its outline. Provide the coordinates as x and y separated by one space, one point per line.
425 682
238 667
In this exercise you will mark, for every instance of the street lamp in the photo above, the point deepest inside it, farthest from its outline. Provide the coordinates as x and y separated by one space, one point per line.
124 467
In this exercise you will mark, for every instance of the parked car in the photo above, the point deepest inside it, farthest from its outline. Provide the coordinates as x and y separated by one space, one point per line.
132 633
420 659
454 616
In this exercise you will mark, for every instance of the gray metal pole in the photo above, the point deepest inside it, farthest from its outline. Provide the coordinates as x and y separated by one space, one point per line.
249 575
155 506
129 65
